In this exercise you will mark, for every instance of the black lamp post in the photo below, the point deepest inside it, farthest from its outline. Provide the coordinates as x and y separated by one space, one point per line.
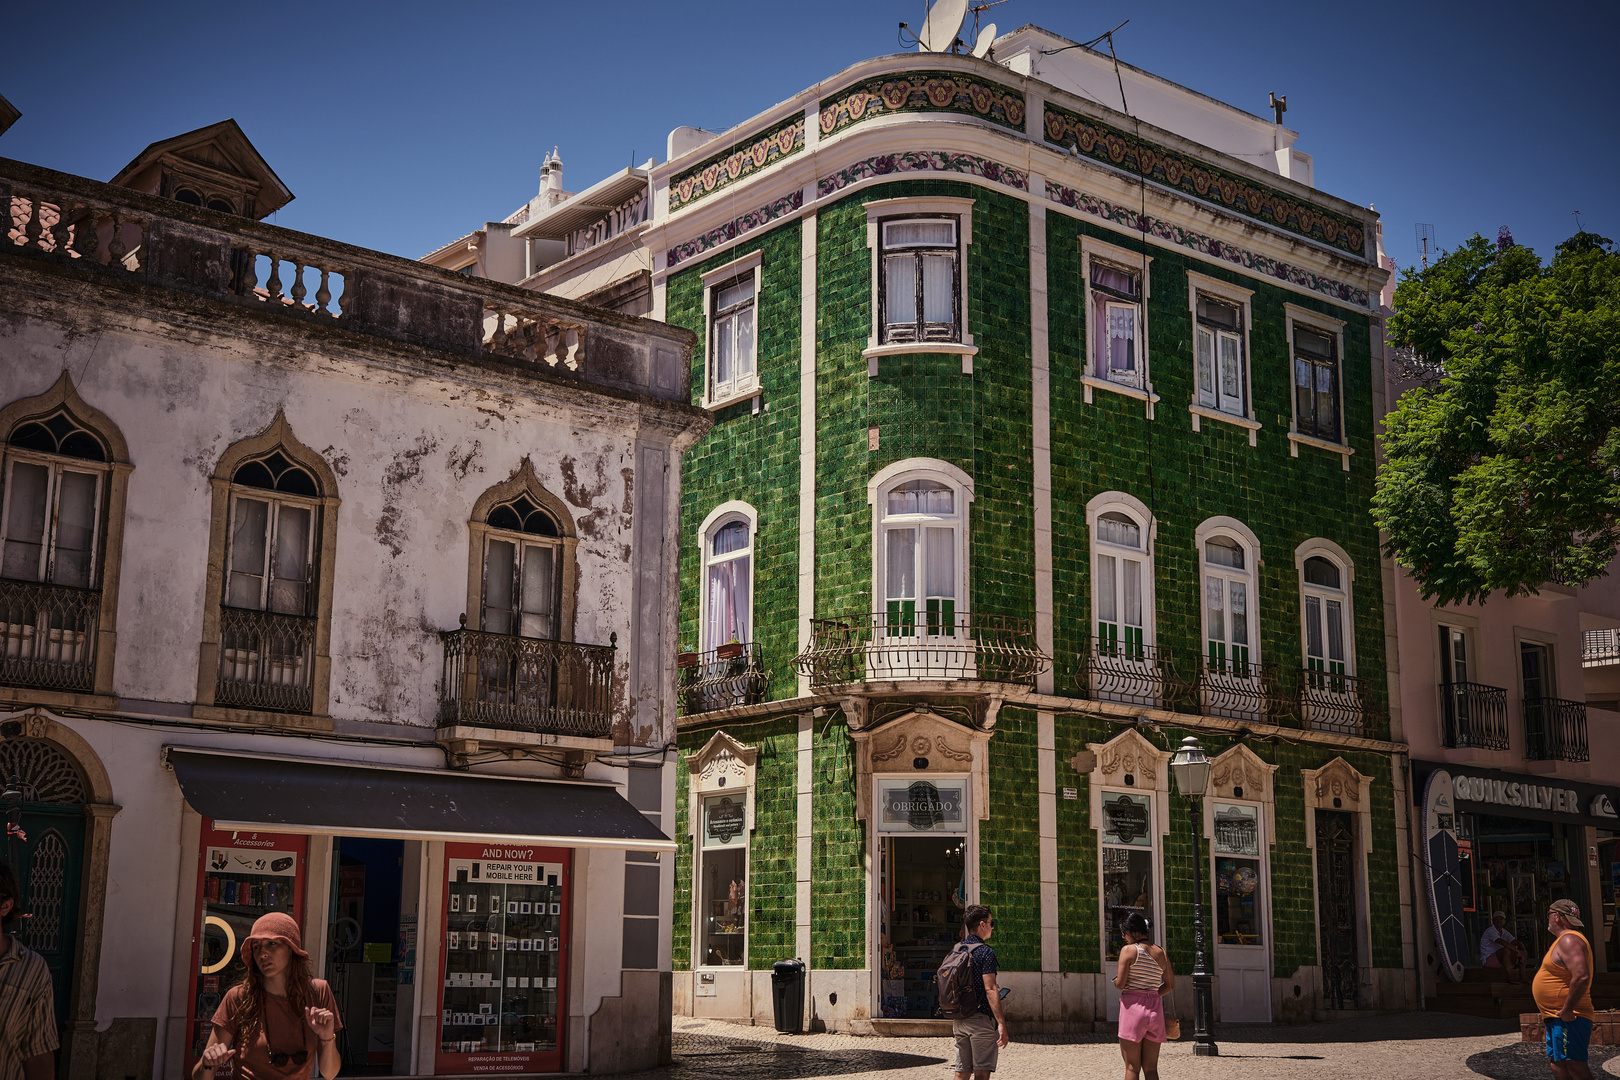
1190 767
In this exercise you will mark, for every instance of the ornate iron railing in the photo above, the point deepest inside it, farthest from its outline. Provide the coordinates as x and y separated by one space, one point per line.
48 635
527 684
1237 689
883 646
721 678
1340 703
1473 715
266 661
1123 671
1555 730
1600 647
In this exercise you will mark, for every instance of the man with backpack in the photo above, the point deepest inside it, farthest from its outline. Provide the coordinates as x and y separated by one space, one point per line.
970 999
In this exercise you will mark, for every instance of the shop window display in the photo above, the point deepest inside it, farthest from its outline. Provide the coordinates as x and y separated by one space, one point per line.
924 893
1237 875
1127 864
723 916
506 919
1519 867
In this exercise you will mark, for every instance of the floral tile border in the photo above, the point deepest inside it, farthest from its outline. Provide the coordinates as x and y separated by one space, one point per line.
736 162
922 161
1112 146
733 229
923 91
1206 245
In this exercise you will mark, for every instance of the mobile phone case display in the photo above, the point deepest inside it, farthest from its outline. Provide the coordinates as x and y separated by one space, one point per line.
244 875
506 928
1237 874
1127 864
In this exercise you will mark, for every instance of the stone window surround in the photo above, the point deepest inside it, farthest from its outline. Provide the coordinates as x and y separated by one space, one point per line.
1142 264
722 515
712 770
523 481
1120 502
879 210
1130 753
920 469
712 279
1333 328
278 435
1239 768
1232 529
1232 294
1339 782
1322 547
64 396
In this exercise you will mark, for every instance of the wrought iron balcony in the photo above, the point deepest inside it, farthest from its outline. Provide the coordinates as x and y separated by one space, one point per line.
1340 703
1600 648
1123 671
1555 730
1237 689
907 645
1473 715
721 678
48 635
527 684
266 661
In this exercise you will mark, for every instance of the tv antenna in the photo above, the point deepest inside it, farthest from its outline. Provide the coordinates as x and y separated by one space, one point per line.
983 38
1425 243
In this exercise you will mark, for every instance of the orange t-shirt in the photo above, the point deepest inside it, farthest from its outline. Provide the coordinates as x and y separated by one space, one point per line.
282 1029
1551 985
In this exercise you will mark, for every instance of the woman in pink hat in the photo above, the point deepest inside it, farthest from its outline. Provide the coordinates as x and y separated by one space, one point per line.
278 1022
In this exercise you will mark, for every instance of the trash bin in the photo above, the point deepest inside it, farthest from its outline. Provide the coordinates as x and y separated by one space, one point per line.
787 995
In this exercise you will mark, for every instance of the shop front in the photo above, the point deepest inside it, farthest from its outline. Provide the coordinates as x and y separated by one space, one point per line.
439 906
1522 842
923 839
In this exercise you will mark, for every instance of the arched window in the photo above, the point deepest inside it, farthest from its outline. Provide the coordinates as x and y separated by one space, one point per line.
728 576
920 555
522 550
1229 553
53 503
1325 578
271 554
1119 589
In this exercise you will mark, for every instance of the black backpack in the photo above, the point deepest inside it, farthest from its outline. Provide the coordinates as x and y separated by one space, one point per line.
957 983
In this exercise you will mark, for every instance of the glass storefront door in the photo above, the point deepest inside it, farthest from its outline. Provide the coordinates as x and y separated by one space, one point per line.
506 919
1520 867
924 898
362 941
1129 877
1240 923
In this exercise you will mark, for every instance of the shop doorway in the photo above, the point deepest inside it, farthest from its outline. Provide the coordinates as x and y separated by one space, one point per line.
1521 866
1240 918
924 895
362 951
1336 908
1608 950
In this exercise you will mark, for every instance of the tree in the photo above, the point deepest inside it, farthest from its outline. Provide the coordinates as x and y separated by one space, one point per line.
1507 474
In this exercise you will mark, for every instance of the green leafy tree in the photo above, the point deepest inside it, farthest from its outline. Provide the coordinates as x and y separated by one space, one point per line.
1507 474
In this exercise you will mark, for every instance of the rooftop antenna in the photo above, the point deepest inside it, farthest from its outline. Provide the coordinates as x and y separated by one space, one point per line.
1425 243
1279 105
983 38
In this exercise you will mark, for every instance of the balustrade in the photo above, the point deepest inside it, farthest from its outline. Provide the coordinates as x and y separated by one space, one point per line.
527 684
288 296
48 635
1473 715
721 678
883 646
75 229
1554 730
266 661
1132 674
514 332
1340 703
1238 689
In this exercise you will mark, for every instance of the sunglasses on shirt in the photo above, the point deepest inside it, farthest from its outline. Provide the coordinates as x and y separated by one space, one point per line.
278 1058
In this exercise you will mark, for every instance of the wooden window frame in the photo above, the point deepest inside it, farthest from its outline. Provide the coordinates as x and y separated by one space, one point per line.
1240 298
716 396
1094 373
1319 547
1334 330
523 482
879 211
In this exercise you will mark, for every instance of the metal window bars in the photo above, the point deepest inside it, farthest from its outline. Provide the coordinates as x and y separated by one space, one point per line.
527 684
1600 648
1555 730
1108 669
722 678
1473 715
1238 689
48 635
903 645
1345 704
266 660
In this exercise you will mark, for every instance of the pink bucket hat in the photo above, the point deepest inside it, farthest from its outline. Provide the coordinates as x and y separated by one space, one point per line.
277 924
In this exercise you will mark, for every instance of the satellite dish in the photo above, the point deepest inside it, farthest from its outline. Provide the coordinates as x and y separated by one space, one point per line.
942 25
986 36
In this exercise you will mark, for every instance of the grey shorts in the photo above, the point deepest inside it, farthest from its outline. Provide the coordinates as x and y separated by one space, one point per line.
976 1047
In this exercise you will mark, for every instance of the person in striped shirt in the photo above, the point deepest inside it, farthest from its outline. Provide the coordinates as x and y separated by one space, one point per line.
27 1004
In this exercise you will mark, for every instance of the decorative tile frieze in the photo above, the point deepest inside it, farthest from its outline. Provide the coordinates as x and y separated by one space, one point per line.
1125 150
736 162
1206 245
733 229
922 161
923 91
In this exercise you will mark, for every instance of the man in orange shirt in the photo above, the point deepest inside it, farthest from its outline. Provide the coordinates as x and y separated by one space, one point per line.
1563 992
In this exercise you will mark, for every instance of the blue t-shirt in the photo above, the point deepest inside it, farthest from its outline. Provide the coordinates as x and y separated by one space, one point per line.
983 959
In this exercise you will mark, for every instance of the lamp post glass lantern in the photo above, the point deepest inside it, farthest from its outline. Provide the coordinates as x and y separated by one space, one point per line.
1190 767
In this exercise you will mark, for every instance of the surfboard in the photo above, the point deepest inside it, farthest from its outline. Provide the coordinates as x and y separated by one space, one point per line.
1445 873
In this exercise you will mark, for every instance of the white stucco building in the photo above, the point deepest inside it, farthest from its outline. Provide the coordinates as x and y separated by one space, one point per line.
338 585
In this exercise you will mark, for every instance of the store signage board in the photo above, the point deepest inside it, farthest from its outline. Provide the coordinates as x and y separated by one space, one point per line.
922 806
1445 872
1127 819
1492 791
725 820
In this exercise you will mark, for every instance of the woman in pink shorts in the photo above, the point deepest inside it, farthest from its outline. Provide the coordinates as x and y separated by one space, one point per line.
1143 979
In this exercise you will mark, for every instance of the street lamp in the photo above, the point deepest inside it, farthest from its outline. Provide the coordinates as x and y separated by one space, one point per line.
1190 767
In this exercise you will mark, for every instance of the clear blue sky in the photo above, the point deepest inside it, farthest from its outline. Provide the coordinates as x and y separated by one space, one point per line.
401 126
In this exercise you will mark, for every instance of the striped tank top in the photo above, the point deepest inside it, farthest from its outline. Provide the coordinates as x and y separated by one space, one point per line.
1145 973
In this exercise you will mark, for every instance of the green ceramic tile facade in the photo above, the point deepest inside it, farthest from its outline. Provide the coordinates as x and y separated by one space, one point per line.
1010 844
837 854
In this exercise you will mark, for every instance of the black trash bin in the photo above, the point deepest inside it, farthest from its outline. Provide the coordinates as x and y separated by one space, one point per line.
787 995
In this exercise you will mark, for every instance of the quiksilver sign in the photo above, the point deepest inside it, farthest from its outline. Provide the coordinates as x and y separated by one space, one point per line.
1522 796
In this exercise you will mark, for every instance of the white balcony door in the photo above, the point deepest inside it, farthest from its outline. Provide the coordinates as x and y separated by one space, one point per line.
1240 921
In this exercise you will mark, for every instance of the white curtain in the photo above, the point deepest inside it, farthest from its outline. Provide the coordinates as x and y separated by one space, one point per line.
500 559
729 584
535 602
1133 593
249 536
901 580
900 289
939 280
25 524
1240 613
1215 608
75 528
1313 627
1121 338
1107 603
941 576
289 583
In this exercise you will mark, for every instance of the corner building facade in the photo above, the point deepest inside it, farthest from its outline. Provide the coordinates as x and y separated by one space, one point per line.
1044 438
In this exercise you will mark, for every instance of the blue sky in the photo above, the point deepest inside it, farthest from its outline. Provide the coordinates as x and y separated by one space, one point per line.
401 126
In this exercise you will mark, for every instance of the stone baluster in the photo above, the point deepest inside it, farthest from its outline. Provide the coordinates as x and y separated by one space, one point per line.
250 272
298 290
343 297
32 231
575 336
86 239
115 246
323 295
497 340
272 285
61 233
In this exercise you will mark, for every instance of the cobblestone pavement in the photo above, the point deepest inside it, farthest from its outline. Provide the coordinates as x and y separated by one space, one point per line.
1421 1046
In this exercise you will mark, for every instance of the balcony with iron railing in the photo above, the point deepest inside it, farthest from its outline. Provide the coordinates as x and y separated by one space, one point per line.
1600 648
527 684
722 678
1554 730
1343 704
266 661
48 636
1473 716
905 645
1129 673
1238 689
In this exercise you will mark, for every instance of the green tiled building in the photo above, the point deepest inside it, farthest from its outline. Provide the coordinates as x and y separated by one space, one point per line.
1044 439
